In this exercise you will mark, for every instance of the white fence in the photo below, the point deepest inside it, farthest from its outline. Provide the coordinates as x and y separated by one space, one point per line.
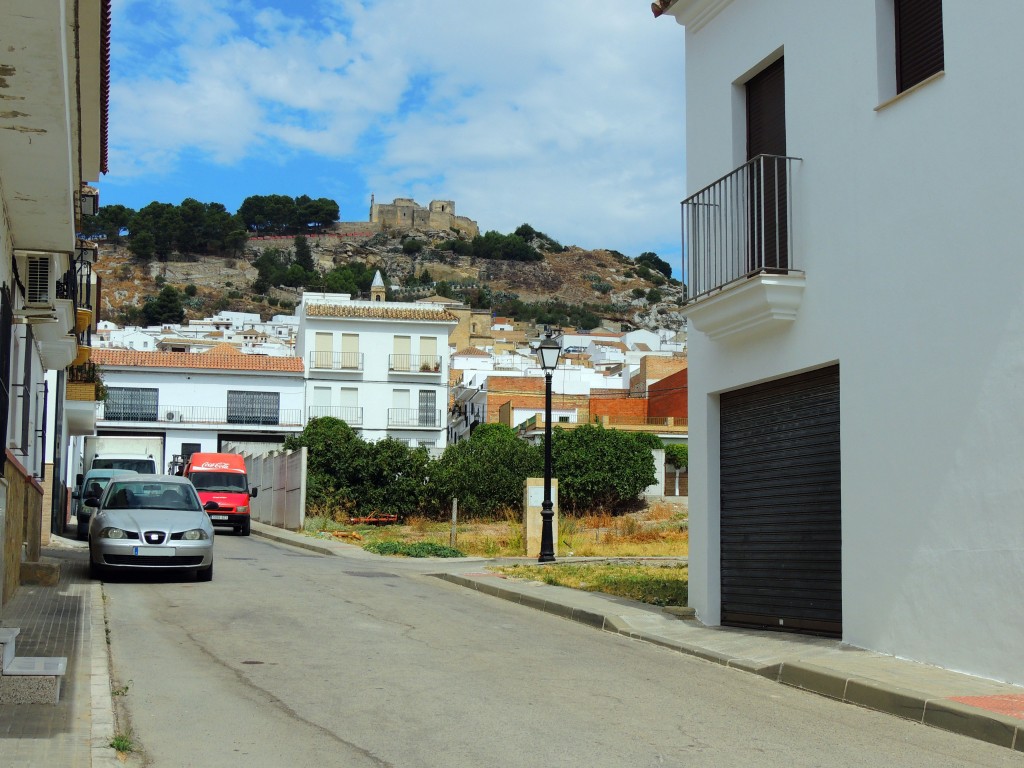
281 479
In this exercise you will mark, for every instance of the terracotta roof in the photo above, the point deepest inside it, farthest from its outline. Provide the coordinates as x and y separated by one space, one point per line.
381 312
211 359
471 352
222 349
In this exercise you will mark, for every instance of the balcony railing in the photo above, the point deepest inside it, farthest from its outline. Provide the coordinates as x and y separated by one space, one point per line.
414 417
741 225
349 414
336 361
202 414
414 363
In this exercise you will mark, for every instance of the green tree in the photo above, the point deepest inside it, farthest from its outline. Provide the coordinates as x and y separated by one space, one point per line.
109 221
304 254
393 478
487 472
166 307
333 463
678 455
600 468
143 246
650 259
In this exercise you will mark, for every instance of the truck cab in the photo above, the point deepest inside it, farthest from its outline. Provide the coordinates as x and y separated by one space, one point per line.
221 478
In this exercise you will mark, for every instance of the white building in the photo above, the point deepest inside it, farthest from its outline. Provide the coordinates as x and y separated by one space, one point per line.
199 401
380 366
856 323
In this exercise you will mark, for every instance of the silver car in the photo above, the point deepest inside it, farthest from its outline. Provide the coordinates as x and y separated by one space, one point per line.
150 521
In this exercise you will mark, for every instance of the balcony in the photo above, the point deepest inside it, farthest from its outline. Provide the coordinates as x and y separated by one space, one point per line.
336 361
428 364
203 415
742 264
414 418
349 414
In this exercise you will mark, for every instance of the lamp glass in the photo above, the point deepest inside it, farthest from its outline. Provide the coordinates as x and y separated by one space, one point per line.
548 351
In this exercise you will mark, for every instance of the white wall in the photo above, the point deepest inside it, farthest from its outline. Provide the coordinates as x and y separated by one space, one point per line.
907 221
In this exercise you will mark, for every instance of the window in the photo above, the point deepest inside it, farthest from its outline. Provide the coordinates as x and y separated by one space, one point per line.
131 404
919 43
254 407
428 408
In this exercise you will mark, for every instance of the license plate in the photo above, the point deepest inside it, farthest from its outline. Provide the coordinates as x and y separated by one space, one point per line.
218 517
154 551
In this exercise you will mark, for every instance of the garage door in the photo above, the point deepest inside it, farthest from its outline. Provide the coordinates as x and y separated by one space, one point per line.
781 536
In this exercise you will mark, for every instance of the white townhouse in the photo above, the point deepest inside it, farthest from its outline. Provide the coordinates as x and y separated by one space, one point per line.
380 366
199 401
855 256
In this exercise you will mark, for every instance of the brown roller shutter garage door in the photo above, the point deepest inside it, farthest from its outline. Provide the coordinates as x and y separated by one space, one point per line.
781 535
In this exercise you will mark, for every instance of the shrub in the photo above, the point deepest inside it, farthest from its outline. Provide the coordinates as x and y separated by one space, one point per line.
678 455
416 549
190 290
411 246
600 468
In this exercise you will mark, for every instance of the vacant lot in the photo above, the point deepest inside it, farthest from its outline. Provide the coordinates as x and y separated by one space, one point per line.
660 530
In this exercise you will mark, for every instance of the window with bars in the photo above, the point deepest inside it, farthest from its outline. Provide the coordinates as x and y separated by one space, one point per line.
428 408
131 404
254 407
919 42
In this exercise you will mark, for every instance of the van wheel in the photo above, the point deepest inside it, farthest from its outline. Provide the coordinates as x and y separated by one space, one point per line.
243 529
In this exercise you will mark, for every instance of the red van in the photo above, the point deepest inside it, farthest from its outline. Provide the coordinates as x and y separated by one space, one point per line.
221 478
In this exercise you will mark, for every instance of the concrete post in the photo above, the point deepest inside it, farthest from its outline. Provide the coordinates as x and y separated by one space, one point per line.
533 500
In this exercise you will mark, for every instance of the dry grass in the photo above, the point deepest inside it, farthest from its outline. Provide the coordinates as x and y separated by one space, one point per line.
660 530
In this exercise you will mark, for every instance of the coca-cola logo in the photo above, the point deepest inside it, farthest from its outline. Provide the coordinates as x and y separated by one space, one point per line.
214 465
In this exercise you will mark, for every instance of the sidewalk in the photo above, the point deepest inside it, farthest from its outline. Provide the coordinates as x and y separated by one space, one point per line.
62 620
975 707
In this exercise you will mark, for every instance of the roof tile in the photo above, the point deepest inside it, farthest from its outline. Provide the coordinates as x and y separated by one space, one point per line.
211 359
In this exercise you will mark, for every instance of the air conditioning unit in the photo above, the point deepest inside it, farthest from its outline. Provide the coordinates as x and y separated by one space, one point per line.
40 285
174 416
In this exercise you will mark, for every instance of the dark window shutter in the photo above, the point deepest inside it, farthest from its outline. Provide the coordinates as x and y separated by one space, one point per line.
919 45
766 112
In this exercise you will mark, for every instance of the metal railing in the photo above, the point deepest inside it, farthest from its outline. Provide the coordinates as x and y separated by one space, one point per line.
740 225
414 363
414 417
336 361
202 414
351 415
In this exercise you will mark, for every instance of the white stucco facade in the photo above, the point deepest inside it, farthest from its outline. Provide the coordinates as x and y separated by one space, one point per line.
906 223
380 366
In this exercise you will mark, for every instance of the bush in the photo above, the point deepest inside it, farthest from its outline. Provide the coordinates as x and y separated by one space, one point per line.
600 468
678 455
190 290
654 296
487 472
416 549
411 246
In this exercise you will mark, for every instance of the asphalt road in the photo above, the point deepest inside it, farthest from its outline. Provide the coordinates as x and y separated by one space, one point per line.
293 659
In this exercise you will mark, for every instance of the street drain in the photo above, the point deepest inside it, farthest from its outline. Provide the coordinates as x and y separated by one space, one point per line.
252 662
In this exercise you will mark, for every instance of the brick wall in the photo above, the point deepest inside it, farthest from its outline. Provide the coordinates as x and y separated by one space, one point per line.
668 397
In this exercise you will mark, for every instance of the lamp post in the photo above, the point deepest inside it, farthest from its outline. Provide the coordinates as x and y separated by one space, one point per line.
548 351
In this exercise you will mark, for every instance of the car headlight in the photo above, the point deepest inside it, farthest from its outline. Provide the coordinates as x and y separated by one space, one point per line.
113 533
196 534
243 510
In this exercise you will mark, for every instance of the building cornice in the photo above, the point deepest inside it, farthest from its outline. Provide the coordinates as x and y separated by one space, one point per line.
695 14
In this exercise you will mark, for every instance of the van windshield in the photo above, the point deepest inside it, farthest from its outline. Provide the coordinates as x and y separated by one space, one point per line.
231 482
142 466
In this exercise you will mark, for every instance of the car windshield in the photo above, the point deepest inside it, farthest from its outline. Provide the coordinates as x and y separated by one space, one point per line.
150 495
231 482
94 486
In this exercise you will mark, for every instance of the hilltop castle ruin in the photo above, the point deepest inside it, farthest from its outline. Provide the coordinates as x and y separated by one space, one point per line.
406 214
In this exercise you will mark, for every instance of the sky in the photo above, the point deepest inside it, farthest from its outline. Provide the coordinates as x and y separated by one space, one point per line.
564 115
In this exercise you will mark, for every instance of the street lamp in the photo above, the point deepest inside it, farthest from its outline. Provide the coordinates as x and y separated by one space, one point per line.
548 351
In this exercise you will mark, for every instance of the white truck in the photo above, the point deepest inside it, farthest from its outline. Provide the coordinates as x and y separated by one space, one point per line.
144 455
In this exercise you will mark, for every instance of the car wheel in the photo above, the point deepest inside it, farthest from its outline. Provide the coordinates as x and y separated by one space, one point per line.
96 571
243 529
205 574
83 532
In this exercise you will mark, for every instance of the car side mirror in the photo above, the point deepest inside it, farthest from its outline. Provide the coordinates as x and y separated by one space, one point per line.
79 478
74 494
253 493
92 501
211 505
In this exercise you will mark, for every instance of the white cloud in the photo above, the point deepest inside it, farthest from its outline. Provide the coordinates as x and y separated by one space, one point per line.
567 115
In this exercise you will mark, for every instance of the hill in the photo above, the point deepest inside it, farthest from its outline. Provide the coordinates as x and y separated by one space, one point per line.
612 286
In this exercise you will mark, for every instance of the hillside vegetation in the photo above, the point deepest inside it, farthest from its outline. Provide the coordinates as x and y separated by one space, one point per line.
197 259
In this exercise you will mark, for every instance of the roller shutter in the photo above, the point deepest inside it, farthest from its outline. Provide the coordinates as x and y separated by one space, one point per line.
781 535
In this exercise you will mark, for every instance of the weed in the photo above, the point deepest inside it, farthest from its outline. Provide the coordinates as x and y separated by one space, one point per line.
656 585
123 743
121 690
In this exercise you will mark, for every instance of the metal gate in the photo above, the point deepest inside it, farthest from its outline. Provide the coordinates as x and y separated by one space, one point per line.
781 535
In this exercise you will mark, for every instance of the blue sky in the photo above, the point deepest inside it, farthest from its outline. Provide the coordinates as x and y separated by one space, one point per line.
564 115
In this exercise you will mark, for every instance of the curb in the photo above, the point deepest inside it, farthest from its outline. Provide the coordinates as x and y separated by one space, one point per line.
293 541
102 702
962 719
